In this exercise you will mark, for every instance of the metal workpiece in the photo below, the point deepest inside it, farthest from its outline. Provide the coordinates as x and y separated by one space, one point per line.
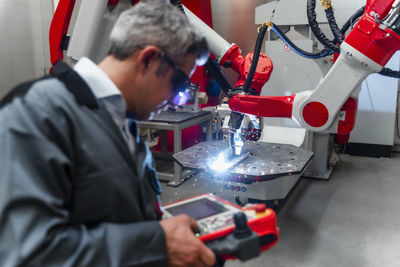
261 161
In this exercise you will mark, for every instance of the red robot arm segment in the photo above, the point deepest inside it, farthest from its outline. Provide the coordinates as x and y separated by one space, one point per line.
60 24
59 28
234 59
265 106
372 38
380 7
262 74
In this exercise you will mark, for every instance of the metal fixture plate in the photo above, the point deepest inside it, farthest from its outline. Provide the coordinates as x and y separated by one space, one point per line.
265 161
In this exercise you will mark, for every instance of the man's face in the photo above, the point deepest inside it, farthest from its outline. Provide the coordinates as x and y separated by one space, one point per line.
159 87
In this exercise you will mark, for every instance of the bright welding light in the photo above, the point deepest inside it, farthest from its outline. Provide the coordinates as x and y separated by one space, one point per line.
238 147
181 98
220 163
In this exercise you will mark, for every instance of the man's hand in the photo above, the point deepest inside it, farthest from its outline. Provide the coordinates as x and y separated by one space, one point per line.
183 248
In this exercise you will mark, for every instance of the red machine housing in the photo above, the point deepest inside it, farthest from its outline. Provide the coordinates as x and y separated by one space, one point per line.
234 59
59 28
377 43
264 106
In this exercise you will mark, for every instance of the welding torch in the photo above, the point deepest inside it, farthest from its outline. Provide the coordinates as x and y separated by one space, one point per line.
235 129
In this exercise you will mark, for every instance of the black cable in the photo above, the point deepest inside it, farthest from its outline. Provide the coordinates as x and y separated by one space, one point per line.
330 16
214 72
390 73
312 21
256 56
349 22
296 49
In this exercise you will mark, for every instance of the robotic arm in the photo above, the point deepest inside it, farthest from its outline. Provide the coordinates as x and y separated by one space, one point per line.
229 55
330 107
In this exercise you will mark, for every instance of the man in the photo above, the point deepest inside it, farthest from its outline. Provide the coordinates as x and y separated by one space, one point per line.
77 185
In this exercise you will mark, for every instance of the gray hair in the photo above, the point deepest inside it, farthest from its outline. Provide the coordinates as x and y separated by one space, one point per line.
160 24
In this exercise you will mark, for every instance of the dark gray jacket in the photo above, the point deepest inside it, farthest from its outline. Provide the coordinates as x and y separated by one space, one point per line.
71 194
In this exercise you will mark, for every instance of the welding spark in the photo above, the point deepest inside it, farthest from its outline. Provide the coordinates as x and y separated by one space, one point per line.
220 163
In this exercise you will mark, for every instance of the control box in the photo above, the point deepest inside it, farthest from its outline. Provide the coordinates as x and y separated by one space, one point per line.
229 230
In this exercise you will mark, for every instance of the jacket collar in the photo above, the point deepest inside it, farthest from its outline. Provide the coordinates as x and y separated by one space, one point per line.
75 84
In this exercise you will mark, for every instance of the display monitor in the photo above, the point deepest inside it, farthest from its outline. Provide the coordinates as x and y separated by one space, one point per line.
198 209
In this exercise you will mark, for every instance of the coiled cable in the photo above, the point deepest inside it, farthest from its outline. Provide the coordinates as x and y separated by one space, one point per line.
312 21
330 16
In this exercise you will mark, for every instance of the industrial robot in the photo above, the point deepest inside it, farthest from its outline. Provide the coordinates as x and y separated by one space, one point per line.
331 107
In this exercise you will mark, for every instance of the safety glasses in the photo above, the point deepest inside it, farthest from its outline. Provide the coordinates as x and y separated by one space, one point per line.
180 81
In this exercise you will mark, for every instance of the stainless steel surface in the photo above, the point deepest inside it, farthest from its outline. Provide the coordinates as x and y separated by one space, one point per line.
265 160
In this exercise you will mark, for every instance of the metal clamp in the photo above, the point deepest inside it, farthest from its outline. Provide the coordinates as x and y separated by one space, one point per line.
326 4
268 24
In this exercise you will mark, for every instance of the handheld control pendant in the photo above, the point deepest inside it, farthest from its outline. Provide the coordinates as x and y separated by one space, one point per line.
228 230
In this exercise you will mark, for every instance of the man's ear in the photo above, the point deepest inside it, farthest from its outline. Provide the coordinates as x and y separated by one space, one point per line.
147 56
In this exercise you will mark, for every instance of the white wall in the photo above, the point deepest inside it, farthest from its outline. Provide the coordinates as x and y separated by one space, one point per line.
234 21
24 48
377 102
